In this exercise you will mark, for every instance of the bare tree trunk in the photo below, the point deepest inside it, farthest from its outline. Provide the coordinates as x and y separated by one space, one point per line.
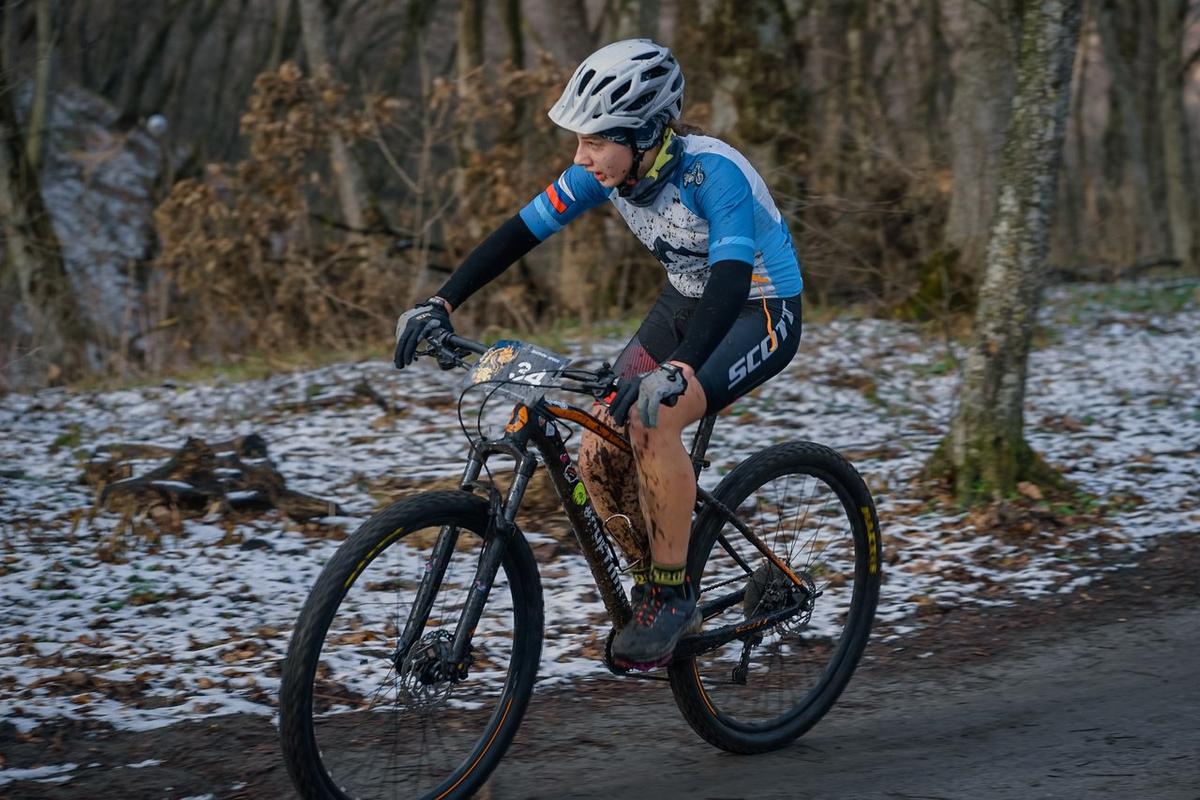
171 93
33 275
1072 240
283 21
751 52
569 28
40 111
347 174
986 450
1121 29
150 67
979 112
938 84
7 30
511 133
221 82
633 19
1182 214
470 79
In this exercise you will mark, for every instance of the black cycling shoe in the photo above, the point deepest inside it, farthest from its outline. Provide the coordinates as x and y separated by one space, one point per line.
662 615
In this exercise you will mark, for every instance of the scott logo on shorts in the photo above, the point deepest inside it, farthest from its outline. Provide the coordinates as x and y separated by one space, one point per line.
757 355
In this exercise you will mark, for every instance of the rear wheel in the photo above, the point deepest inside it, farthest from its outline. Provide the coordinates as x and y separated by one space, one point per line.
812 509
361 716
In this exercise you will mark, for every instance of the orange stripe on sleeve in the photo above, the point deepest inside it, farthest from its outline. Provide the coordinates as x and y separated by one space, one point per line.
555 200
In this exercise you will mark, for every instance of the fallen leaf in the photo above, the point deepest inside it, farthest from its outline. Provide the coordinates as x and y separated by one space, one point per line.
1030 490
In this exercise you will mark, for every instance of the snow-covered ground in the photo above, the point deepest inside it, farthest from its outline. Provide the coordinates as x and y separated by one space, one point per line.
195 624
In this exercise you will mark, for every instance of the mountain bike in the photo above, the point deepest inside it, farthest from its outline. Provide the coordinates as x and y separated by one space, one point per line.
415 654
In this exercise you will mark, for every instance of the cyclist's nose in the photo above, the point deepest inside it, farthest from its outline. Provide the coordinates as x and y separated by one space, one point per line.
581 157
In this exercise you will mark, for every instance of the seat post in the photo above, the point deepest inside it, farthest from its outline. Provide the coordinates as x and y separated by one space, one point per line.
700 442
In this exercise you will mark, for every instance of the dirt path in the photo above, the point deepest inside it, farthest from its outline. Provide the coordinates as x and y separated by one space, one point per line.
1087 695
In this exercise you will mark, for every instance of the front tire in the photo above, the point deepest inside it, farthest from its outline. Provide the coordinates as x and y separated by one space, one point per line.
811 507
352 723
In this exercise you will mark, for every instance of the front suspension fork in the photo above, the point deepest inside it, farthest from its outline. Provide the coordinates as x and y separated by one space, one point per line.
495 542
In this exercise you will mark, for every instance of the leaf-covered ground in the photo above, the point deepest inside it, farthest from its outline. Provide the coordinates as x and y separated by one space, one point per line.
141 623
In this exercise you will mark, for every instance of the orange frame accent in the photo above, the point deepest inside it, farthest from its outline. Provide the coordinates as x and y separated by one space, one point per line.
591 423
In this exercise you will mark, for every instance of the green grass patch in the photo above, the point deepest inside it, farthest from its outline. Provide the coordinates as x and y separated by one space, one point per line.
68 438
1135 298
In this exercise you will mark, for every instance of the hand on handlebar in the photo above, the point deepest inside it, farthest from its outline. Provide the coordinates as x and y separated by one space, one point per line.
416 325
662 387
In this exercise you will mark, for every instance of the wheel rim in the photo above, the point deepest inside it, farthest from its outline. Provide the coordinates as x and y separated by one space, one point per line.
810 526
384 731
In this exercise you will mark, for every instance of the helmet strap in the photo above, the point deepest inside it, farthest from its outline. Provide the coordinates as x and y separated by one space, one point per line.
631 178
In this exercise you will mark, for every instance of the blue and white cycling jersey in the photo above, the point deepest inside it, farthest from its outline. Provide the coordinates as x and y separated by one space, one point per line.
714 207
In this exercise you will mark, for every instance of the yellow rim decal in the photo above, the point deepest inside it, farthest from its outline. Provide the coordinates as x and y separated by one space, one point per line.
391 537
872 542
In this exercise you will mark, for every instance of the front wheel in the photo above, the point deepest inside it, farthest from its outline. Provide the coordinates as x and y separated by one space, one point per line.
812 509
370 705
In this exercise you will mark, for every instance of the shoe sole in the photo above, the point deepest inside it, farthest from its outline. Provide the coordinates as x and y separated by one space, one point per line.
663 660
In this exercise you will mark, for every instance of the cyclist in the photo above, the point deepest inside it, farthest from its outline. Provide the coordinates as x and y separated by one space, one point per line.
727 319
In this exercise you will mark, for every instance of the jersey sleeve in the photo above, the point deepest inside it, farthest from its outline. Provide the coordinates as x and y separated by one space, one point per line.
725 199
574 192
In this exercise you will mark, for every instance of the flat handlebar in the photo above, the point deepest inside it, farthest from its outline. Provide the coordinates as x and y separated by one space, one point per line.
450 348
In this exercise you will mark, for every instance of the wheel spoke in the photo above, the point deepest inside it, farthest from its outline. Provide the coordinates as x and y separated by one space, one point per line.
385 725
794 498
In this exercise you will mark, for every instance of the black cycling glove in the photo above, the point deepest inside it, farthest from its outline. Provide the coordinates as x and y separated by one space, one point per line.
417 324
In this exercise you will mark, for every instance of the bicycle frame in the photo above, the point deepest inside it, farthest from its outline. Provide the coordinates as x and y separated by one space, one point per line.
536 425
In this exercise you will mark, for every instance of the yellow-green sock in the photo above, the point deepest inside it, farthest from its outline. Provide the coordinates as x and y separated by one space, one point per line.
667 574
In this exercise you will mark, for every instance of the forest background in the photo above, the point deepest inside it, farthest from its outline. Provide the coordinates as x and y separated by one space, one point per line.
211 181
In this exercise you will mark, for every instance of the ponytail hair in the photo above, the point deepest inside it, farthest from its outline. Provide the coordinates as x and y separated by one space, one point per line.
682 128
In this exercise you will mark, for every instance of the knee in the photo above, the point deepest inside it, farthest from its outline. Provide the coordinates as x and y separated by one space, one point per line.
644 439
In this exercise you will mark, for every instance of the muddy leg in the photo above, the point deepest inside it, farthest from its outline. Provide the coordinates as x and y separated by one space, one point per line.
666 479
611 480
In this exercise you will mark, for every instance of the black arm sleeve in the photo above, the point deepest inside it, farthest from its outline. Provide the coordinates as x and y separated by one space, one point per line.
486 262
724 295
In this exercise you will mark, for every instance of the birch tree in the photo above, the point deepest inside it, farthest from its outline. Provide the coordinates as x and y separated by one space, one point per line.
985 452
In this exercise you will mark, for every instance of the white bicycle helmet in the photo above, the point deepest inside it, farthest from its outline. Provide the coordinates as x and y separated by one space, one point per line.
624 85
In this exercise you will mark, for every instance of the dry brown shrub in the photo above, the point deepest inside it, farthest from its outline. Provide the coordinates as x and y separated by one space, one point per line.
248 265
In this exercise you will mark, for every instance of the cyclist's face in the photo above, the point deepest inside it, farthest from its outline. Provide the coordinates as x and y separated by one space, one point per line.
606 160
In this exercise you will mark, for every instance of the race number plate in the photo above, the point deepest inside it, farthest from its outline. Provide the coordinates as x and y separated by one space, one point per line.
516 370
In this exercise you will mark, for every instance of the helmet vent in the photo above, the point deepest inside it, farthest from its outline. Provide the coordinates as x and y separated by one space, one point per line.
678 83
621 91
654 72
641 102
605 81
644 56
583 82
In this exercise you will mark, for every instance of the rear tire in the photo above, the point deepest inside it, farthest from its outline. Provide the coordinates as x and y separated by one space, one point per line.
811 507
377 732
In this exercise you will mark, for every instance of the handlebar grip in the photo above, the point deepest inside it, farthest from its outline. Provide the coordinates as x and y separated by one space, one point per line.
453 340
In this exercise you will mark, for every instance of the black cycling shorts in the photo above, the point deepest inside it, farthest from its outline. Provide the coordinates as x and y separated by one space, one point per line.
762 341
